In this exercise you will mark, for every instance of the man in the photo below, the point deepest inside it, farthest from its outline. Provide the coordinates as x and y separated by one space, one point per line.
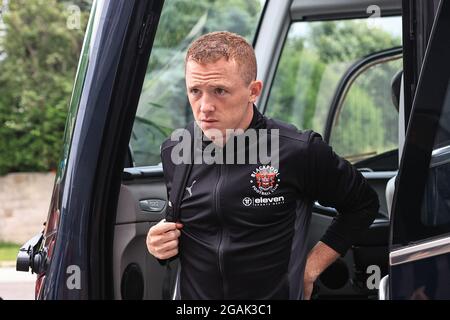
240 230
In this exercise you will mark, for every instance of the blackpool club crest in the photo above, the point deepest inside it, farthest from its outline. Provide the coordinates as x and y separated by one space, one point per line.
265 180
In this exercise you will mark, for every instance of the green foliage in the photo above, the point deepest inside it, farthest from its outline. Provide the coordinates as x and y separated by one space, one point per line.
359 116
349 40
39 55
368 122
298 79
313 61
8 251
36 76
84 5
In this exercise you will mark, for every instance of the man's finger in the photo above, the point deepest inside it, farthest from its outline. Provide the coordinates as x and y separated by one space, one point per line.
169 254
168 246
162 227
171 235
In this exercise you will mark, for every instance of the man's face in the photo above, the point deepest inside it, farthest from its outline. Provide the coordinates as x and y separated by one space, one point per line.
219 97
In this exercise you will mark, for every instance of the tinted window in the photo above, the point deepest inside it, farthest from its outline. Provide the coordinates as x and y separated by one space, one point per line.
315 57
421 208
435 213
366 124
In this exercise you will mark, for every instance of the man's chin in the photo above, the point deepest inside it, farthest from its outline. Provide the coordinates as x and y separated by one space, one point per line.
209 127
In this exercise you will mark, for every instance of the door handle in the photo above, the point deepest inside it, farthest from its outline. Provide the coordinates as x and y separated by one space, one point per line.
152 205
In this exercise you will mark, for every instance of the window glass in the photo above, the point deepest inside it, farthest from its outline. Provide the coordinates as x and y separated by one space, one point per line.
163 105
315 57
366 124
435 213
79 82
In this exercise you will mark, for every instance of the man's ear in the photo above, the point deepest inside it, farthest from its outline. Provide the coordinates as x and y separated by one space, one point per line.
255 90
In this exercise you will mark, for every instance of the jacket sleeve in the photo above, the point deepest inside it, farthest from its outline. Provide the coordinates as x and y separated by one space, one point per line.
334 182
168 175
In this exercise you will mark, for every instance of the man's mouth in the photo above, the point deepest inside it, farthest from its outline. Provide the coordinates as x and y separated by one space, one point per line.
209 120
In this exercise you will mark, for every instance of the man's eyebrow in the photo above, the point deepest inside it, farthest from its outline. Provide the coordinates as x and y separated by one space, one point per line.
215 85
220 85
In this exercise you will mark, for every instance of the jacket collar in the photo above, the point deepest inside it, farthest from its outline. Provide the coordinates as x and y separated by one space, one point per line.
258 122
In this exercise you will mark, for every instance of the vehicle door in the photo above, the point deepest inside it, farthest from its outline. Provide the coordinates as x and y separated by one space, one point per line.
419 254
334 76
163 107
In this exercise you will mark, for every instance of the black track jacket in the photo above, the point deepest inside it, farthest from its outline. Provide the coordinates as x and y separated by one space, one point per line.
246 225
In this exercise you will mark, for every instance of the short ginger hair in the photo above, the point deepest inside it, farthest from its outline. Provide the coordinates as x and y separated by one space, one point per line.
214 46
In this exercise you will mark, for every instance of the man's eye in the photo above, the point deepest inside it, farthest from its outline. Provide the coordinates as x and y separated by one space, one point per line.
220 91
195 91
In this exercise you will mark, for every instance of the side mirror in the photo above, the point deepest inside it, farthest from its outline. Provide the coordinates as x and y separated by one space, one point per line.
30 256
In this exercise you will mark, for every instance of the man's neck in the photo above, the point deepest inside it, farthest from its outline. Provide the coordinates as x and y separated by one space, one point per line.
247 118
243 125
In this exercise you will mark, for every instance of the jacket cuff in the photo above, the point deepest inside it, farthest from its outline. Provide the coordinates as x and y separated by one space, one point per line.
335 240
162 262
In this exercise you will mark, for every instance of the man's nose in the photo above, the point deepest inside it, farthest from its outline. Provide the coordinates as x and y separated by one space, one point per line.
207 104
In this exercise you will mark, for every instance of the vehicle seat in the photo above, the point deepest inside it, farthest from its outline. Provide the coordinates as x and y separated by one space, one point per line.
398 101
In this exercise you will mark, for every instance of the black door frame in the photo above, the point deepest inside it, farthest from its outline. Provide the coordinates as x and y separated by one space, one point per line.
409 241
87 195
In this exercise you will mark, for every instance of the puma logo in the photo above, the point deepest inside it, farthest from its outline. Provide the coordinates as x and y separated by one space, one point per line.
189 189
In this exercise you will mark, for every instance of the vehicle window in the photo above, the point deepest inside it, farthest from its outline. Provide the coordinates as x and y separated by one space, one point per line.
78 85
421 208
366 123
163 104
435 212
315 57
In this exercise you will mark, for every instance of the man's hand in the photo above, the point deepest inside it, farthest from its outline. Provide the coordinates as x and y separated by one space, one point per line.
162 239
320 257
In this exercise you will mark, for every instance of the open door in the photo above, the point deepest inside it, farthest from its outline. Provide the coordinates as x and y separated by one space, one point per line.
419 254
73 255
346 95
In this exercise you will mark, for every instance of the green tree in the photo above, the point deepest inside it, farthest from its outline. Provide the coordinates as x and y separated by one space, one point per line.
348 40
359 129
84 5
368 121
36 76
314 59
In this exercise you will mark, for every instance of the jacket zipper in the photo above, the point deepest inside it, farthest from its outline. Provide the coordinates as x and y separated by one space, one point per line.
219 215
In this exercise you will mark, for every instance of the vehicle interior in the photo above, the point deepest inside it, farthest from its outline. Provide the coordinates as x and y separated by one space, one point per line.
331 66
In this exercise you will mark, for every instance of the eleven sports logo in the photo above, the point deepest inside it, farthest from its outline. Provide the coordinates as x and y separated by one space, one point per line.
264 181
